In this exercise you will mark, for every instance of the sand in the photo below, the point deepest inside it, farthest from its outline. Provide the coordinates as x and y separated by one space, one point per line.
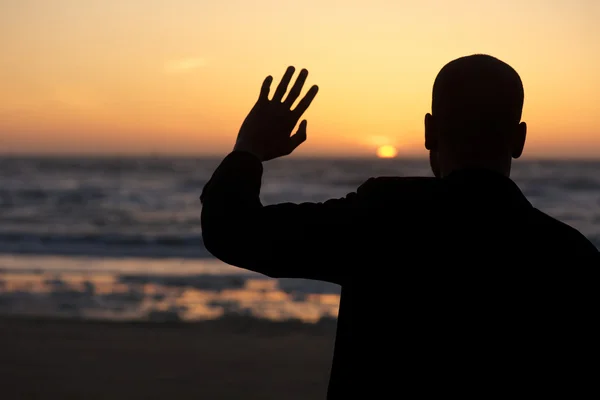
234 358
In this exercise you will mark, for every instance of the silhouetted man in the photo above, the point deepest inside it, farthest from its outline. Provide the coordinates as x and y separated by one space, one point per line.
450 285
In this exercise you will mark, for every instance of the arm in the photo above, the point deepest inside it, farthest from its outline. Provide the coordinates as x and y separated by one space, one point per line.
284 240
309 240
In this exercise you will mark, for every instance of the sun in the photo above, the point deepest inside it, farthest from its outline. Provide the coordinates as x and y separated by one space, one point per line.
387 151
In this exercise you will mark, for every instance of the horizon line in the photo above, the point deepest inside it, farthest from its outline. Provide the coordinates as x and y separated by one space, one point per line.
319 156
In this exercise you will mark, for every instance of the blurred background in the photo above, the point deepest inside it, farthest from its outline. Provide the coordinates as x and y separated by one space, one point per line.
113 115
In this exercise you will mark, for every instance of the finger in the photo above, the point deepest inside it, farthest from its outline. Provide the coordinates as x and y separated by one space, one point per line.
265 88
280 91
297 88
306 100
299 137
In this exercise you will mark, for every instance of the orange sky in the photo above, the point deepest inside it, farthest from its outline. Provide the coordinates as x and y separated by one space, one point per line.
179 76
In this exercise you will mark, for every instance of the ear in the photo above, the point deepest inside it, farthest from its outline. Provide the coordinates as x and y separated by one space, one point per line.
431 140
518 140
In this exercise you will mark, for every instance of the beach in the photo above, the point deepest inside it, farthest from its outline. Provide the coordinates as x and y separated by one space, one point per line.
228 358
107 292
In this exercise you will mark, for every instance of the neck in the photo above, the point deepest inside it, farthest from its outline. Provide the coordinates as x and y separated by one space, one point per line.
503 168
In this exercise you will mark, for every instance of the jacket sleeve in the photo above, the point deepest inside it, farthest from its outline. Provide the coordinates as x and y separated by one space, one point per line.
308 240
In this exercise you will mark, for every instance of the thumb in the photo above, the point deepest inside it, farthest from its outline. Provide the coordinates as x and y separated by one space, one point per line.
299 137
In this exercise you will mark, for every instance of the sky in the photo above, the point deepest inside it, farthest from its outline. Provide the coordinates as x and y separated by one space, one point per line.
179 76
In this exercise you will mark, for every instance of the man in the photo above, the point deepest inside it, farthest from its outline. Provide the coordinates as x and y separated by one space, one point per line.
450 285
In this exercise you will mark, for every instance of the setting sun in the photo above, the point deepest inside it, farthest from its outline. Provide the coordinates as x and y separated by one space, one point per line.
387 151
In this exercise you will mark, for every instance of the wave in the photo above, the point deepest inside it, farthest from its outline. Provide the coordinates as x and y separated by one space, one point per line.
106 245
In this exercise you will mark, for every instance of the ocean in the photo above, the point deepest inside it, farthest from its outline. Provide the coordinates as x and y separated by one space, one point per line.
120 238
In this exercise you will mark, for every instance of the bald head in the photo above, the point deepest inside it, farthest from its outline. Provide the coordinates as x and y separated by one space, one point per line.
476 111
478 89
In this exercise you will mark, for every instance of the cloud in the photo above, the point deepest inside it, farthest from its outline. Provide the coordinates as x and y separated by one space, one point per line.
184 65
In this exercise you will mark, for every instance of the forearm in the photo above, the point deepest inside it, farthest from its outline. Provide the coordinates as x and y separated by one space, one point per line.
230 203
235 183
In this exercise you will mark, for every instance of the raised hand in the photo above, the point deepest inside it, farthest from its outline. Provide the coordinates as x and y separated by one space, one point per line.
267 130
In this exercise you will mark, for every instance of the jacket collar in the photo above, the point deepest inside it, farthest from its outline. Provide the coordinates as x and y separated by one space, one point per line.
486 185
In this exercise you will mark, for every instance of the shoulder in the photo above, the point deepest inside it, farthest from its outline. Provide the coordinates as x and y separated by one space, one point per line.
390 184
399 189
568 237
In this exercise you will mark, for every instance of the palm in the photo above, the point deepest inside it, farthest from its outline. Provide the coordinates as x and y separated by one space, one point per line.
267 130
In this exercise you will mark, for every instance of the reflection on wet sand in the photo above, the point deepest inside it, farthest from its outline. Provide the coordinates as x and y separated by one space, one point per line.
100 295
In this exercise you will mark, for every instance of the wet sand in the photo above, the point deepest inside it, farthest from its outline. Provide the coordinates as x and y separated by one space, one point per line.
233 358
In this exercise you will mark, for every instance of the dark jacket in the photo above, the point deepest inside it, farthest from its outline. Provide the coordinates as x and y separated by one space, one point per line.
454 285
